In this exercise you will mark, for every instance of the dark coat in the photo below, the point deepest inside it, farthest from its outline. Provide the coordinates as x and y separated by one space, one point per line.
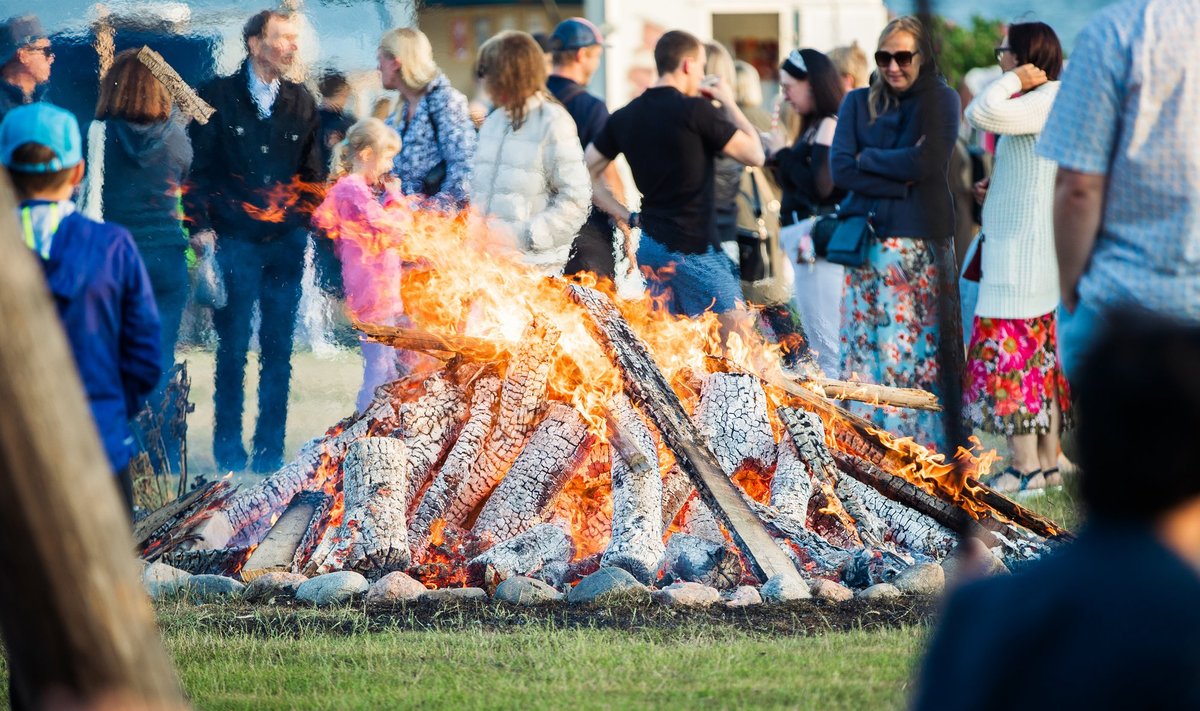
11 96
144 167
267 164
107 309
885 169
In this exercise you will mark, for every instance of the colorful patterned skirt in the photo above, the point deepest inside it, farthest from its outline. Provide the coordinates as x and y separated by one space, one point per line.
1014 376
890 332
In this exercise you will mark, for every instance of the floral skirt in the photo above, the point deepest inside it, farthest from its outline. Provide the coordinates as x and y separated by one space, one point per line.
890 333
1014 376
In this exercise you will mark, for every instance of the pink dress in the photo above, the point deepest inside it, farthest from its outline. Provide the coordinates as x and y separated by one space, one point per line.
367 224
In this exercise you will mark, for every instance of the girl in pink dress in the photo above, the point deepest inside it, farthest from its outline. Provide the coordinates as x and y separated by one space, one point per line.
366 214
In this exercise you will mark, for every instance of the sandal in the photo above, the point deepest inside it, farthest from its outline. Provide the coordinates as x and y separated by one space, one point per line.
1032 484
1054 479
1008 481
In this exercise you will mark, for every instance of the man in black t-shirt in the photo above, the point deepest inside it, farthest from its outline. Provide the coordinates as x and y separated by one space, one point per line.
670 135
576 46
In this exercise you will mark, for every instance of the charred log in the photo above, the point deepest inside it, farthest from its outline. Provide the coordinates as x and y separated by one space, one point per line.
636 544
428 426
732 416
284 542
791 487
524 555
373 536
692 559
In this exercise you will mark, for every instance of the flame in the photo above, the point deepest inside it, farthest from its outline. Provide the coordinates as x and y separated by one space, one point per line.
284 198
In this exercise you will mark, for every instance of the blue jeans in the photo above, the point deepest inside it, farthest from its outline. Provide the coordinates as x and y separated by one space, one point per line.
690 284
1077 333
268 272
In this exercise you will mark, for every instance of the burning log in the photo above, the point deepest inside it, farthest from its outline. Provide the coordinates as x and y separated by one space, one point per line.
279 549
732 416
791 487
826 512
896 522
446 347
650 388
521 399
373 537
536 477
428 427
636 544
872 394
700 521
585 504
692 559
524 555
165 528
462 456
677 489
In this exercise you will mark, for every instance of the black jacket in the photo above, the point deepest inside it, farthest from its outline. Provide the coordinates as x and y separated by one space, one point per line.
253 178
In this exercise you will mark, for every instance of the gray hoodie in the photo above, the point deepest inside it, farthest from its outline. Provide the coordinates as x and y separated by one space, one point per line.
145 165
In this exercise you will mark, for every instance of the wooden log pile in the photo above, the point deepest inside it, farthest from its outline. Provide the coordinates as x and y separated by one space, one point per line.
482 471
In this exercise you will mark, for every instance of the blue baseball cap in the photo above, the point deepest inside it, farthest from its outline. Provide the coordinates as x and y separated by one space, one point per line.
17 32
575 33
43 123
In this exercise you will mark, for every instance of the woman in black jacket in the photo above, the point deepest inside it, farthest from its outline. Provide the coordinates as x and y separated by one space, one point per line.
139 155
892 151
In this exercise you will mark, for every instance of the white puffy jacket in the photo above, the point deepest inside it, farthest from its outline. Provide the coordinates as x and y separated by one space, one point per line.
532 182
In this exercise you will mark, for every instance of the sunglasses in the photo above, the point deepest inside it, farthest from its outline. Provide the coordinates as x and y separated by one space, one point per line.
44 50
1001 51
883 60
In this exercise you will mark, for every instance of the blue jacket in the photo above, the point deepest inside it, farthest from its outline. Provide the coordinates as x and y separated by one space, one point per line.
885 169
106 306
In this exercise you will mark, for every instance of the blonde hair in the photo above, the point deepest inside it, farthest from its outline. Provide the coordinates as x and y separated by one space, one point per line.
513 68
851 61
880 97
368 133
720 63
748 88
412 49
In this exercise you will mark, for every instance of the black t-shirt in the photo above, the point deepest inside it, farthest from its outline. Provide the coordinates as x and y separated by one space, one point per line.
670 141
590 114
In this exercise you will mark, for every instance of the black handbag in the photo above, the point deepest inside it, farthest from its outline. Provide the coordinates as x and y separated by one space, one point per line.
432 181
822 232
851 241
753 234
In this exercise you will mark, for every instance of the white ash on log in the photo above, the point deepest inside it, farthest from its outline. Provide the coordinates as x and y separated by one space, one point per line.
428 426
636 544
373 536
522 497
677 489
521 399
826 513
791 487
462 455
699 520
278 550
732 416
900 524
692 559
815 551
525 554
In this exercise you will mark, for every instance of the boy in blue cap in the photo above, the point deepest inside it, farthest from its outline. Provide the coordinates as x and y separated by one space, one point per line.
94 272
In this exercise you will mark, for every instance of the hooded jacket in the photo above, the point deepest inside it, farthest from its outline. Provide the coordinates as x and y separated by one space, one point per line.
107 309
144 167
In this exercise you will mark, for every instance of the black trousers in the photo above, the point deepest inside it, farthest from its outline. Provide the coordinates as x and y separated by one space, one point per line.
592 251
267 273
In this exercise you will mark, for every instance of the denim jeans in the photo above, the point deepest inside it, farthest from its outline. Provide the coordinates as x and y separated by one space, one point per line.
690 283
267 272
167 269
1076 333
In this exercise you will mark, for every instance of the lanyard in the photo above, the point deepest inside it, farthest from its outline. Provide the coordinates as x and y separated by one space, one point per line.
27 227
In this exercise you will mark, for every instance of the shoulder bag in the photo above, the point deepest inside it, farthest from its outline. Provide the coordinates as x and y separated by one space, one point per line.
431 182
851 240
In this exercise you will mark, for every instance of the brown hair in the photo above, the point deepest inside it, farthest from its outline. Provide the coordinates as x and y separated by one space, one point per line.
1036 43
674 47
256 26
28 184
131 92
513 68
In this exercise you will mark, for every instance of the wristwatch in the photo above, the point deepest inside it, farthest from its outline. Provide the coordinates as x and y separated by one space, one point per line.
635 220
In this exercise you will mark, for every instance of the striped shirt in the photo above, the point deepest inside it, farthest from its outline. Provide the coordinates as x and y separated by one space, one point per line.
1129 109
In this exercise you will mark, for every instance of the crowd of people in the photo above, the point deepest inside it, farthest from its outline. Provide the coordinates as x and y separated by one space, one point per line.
853 276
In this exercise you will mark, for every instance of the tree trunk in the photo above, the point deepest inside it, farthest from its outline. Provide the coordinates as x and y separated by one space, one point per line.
77 626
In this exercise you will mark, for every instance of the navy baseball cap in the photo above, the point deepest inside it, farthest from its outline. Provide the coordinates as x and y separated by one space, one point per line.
46 124
16 32
575 33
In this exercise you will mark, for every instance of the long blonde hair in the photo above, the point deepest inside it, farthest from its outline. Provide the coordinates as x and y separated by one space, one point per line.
411 47
367 133
720 63
880 97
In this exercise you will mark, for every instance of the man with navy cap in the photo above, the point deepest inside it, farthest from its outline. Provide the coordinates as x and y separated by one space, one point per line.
25 61
576 46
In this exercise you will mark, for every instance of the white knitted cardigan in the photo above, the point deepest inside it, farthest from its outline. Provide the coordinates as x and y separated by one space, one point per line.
1020 269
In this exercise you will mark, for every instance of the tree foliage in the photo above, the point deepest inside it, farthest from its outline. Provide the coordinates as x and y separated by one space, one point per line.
962 48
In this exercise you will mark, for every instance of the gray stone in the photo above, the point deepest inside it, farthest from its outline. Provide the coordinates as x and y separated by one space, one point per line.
921 579
743 596
332 588
453 594
520 590
272 585
685 594
880 591
212 586
785 588
161 580
830 591
607 584
396 587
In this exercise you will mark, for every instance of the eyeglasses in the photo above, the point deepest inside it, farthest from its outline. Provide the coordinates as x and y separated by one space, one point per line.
44 50
883 60
1001 51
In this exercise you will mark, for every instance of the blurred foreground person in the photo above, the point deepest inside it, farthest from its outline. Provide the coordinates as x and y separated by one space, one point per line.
92 269
1061 635
248 196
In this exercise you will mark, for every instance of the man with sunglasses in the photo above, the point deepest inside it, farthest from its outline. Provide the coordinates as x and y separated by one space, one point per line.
26 57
